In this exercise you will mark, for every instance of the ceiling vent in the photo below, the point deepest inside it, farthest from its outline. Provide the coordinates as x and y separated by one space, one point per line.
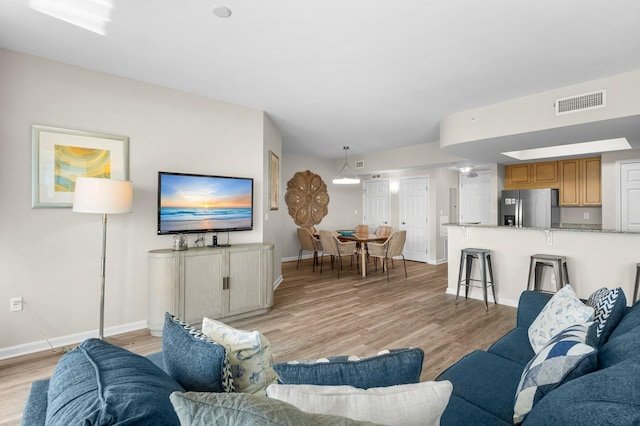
359 164
583 102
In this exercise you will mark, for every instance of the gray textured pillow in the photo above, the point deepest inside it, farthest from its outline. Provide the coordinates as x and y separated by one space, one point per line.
202 408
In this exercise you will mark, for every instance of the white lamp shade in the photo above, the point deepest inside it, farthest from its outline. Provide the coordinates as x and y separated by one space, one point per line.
96 195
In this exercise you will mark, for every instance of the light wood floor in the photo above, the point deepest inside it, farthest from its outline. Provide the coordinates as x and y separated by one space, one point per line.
316 315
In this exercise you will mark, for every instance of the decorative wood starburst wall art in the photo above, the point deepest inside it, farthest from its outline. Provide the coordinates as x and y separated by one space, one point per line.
307 198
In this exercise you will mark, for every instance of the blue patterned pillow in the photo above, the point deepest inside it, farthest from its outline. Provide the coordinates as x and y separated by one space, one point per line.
385 368
570 354
610 306
196 362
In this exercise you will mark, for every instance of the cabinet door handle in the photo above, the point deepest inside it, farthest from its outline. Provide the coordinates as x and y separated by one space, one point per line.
225 283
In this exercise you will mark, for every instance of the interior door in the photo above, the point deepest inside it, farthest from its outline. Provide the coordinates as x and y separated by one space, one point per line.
630 196
414 216
475 197
375 195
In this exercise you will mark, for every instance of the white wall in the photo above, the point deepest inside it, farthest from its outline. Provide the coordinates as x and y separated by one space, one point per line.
272 231
50 257
537 112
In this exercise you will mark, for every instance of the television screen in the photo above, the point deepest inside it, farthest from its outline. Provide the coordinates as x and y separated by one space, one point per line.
189 203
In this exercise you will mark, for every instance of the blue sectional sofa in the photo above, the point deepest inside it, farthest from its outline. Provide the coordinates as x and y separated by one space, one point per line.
485 382
98 375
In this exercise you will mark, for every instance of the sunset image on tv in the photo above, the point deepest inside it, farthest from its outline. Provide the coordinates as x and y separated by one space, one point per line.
193 203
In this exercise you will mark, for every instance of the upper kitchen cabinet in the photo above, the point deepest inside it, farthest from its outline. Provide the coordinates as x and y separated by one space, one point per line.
532 175
580 182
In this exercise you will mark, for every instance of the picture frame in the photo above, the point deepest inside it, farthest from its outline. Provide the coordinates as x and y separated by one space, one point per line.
60 155
274 181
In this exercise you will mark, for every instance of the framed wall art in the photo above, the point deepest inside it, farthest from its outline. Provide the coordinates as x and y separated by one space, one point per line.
61 155
274 181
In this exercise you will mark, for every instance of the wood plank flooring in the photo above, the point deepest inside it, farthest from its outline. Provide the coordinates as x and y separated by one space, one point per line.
316 315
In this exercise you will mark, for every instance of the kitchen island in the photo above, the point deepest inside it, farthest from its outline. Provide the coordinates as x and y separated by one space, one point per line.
595 257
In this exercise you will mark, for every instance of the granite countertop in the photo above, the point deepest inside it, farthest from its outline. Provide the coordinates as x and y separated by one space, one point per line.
570 227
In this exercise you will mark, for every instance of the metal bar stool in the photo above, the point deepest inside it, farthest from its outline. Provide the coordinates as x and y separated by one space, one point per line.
466 258
539 261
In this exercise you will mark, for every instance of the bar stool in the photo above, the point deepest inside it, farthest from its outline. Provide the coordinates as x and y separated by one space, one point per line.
466 257
635 291
539 261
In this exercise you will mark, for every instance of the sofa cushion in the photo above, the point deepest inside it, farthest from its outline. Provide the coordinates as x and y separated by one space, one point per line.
564 309
571 354
630 321
486 380
196 409
418 404
610 306
98 383
514 346
604 397
193 360
35 410
529 306
619 348
386 368
460 412
249 355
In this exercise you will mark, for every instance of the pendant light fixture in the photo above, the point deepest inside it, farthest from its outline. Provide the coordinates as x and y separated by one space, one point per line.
346 175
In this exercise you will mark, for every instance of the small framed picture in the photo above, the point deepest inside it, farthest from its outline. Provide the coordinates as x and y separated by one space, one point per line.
61 155
274 181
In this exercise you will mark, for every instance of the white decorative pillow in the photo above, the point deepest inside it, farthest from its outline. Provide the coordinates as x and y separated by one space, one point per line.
249 355
564 309
413 404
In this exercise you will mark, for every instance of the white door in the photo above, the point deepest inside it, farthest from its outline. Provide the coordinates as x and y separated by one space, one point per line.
475 197
414 216
630 196
376 203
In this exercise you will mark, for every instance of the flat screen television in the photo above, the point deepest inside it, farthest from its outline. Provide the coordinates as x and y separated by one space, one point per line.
191 203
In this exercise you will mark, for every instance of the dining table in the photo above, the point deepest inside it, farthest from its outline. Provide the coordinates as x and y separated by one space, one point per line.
363 239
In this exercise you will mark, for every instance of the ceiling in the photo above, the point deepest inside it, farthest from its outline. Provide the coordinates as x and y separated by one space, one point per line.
370 74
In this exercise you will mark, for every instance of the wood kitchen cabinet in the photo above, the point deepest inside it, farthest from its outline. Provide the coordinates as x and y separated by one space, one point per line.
532 175
217 282
580 182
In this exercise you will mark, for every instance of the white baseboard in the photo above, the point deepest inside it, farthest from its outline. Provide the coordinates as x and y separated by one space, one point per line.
72 339
477 294
278 282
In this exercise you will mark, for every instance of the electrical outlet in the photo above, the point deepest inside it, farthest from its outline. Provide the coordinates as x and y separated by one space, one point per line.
586 215
15 304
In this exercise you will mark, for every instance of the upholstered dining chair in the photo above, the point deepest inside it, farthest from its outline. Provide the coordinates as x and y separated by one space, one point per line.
388 250
337 249
308 243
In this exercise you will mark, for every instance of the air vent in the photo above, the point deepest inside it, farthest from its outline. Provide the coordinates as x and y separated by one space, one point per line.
583 102
359 164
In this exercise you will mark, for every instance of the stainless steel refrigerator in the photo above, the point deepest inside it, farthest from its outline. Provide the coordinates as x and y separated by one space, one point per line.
536 208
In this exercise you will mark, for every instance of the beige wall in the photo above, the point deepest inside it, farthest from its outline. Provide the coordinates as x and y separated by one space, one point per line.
50 257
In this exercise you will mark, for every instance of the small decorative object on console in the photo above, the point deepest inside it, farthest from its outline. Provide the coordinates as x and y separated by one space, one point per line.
180 242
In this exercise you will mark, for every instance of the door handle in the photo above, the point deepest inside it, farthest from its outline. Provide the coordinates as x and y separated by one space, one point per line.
404 223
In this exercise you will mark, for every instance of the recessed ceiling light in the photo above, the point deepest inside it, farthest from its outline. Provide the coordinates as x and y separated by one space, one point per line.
594 147
221 11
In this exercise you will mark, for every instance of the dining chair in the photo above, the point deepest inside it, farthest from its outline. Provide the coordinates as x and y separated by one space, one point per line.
362 229
309 243
389 249
337 249
384 231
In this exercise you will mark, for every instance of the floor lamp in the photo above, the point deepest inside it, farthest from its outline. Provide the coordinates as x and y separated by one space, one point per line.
103 196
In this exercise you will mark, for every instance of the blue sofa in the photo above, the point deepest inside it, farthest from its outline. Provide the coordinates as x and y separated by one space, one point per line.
485 382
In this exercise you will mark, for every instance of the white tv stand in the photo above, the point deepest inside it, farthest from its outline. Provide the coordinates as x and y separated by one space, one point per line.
225 283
